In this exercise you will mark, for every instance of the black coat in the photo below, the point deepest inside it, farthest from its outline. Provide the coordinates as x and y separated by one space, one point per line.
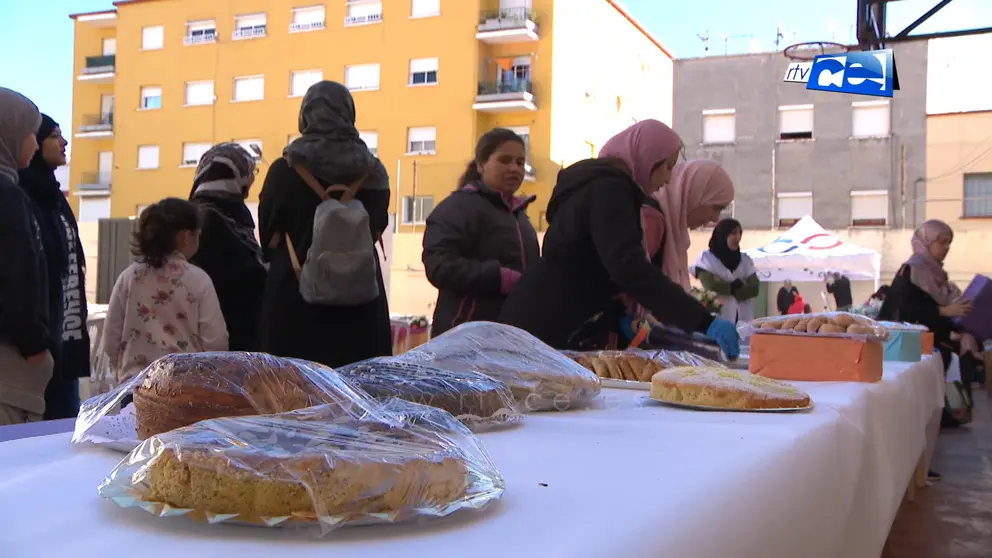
784 300
906 302
841 289
289 327
593 251
470 235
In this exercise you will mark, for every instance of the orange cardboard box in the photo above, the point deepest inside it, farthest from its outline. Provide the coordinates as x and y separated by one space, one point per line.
815 359
927 338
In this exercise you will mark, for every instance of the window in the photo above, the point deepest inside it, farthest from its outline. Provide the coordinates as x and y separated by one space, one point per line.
425 8
249 26
423 71
870 119
147 156
192 152
793 206
371 140
513 73
869 208
152 37
978 194
92 209
795 122
254 146
363 12
151 98
300 81
249 88
199 93
362 77
421 140
110 46
719 126
416 209
307 19
198 32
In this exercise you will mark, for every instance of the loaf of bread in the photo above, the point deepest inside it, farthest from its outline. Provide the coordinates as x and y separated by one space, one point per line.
721 388
818 324
634 364
184 388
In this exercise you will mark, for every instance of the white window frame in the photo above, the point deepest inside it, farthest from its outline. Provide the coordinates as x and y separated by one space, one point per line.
299 74
311 23
204 82
150 154
880 111
193 149
200 32
786 222
719 126
362 12
372 68
250 26
428 8
371 139
869 221
146 93
247 143
421 140
153 37
792 122
86 213
976 204
245 84
423 68
415 205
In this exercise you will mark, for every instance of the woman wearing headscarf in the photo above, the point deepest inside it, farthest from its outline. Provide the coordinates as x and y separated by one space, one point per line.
332 152
65 262
728 272
229 251
25 344
594 250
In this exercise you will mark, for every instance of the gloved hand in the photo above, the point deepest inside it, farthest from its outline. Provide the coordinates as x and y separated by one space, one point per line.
725 334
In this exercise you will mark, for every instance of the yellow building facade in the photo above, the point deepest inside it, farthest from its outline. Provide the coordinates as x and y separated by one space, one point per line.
158 81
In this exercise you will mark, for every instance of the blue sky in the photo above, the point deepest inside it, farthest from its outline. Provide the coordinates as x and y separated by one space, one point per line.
36 35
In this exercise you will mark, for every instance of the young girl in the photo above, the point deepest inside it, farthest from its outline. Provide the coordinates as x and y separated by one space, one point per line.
162 304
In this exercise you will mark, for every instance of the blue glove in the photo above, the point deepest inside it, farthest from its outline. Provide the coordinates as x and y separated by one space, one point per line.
725 334
627 327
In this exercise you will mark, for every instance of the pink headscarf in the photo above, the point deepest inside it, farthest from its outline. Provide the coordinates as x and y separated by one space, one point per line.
927 273
694 184
642 146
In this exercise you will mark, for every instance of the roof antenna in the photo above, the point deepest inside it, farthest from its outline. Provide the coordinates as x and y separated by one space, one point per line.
705 37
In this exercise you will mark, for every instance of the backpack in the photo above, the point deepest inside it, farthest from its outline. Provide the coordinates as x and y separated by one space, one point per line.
340 267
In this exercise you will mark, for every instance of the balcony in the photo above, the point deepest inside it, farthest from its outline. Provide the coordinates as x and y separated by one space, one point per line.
363 19
506 26
94 183
99 69
254 32
198 38
505 96
304 26
96 126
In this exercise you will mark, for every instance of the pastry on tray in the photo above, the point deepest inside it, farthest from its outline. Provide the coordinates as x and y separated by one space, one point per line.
724 389
619 365
829 322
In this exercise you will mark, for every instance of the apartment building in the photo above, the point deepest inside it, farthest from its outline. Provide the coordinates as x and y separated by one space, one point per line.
851 162
157 82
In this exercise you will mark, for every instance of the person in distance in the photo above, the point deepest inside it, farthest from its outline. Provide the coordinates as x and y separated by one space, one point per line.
730 273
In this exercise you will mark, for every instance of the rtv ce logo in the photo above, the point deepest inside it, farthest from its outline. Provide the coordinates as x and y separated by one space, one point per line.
786 245
855 73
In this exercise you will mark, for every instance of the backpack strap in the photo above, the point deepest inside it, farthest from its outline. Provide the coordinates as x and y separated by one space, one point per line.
295 261
348 192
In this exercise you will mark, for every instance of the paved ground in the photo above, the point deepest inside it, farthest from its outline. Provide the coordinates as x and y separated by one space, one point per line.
952 518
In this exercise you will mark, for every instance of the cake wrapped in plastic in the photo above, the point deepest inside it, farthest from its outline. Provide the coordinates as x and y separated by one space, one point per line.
540 378
183 388
310 467
635 365
478 401
821 324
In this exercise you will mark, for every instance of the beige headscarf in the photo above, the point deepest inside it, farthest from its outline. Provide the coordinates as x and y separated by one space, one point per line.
19 118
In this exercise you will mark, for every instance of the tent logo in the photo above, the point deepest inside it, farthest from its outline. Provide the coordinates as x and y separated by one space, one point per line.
826 242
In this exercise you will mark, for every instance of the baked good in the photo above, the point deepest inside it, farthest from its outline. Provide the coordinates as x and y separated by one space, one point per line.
618 365
724 389
465 394
184 388
817 324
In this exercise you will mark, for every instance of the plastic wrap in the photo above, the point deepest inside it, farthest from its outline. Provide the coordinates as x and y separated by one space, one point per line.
180 389
824 324
903 326
478 401
308 467
635 365
540 378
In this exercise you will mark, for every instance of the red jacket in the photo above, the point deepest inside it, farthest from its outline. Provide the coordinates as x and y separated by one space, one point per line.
798 305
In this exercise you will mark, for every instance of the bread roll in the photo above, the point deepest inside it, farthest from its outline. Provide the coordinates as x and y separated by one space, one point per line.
814 324
831 328
859 330
790 323
843 320
771 325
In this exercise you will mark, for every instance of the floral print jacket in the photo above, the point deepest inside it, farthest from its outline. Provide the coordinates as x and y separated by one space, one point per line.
155 312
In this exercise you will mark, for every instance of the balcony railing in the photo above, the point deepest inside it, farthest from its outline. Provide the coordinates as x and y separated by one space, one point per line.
504 87
305 26
363 19
249 32
201 38
94 181
97 123
506 18
100 64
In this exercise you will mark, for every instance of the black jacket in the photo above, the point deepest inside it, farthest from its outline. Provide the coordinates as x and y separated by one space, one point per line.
784 300
906 302
470 235
841 289
23 274
289 327
593 251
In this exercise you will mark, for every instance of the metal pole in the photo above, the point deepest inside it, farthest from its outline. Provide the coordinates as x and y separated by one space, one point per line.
399 199
774 203
902 181
413 199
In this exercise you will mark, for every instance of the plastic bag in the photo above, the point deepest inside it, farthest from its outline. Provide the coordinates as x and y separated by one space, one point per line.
308 467
540 378
476 400
180 389
636 365
822 324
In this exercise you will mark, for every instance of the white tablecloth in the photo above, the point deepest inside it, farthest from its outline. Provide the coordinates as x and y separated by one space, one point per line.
630 478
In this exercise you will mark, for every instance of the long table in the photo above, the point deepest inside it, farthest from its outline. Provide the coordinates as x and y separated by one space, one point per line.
627 478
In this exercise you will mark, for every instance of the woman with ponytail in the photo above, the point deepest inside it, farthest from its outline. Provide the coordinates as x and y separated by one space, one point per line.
479 239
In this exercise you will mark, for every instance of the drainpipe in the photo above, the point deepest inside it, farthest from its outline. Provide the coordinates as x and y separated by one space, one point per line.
902 182
774 203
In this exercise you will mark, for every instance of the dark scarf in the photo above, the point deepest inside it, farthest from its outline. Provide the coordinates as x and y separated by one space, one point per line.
718 244
236 215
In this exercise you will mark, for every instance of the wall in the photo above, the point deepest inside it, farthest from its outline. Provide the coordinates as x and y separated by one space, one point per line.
956 144
958 79
829 165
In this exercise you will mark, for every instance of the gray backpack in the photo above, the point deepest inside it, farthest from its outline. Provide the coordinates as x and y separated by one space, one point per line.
340 267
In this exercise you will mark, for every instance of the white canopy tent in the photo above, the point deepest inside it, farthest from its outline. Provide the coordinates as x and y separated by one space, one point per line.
806 252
